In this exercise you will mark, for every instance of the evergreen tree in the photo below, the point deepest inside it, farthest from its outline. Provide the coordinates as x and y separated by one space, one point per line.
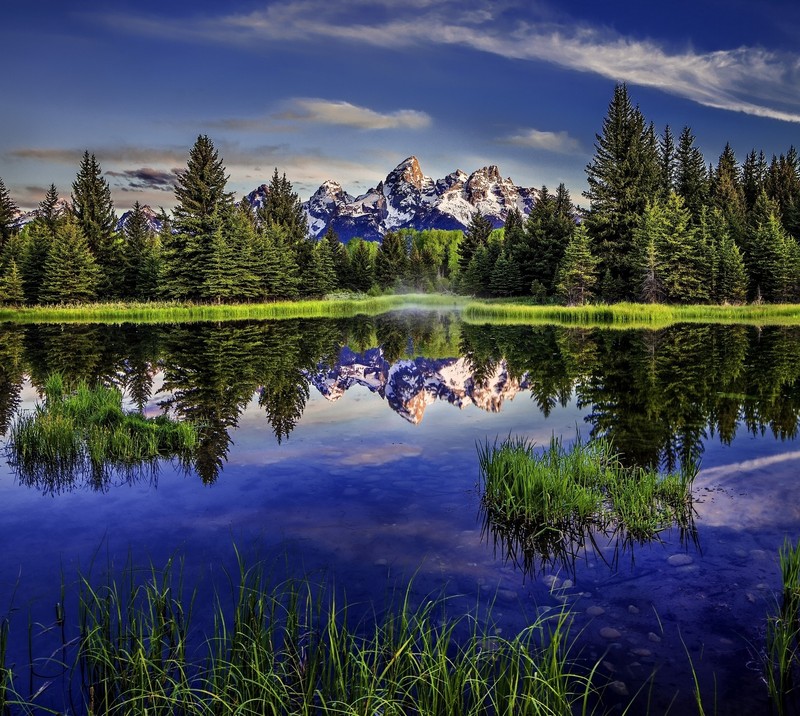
8 216
341 263
773 263
362 266
320 278
547 231
391 260
754 176
783 185
70 272
476 235
731 281
505 278
11 290
138 244
727 193
577 275
94 211
284 208
622 176
668 163
41 233
203 203
691 176
275 265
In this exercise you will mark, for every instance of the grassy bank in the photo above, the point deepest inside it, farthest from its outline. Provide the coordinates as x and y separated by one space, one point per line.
629 315
188 312
514 312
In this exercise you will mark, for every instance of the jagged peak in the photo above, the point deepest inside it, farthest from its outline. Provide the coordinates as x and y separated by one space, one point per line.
409 171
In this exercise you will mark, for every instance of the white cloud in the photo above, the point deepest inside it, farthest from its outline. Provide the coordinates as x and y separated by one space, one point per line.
744 79
559 142
351 115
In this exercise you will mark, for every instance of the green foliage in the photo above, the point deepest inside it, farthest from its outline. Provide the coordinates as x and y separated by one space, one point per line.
8 215
11 288
192 247
275 264
141 251
391 260
70 272
284 208
545 503
577 275
475 237
622 176
320 276
86 431
362 265
94 213
691 175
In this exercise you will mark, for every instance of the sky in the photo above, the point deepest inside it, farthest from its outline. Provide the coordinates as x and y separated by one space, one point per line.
347 89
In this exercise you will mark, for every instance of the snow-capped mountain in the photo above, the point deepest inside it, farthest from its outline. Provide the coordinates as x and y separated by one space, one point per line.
407 198
410 386
153 219
26 217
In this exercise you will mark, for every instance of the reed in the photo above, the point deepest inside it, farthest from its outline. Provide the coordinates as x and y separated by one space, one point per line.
294 649
86 431
783 634
549 502
630 315
171 312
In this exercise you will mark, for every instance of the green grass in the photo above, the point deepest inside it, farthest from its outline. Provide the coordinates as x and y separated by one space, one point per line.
782 659
293 648
86 431
629 315
546 503
188 312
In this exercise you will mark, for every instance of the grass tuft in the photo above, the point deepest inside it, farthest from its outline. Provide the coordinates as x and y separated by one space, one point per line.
546 504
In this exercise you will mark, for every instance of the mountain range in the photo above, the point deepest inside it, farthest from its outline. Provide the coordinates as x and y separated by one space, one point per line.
407 198
410 386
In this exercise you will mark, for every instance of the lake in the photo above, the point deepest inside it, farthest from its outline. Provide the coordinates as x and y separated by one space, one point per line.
347 450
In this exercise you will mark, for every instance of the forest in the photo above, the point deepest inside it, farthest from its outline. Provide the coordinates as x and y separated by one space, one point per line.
662 226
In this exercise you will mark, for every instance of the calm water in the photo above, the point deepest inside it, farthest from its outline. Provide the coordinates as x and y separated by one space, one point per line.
348 449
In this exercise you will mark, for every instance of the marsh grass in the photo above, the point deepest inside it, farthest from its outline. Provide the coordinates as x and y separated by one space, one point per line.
629 315
549 504
783 635
294 649
85 431
171 312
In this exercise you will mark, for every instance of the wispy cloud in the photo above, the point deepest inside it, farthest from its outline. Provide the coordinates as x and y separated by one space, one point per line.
741 79
559 142
324 111
115 155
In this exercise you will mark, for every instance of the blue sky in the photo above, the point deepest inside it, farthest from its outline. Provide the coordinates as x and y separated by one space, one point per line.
347 89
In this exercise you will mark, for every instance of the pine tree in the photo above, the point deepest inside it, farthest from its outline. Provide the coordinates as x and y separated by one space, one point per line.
70 272
547 231
94 212
41 233
284 208
577 275
754 176
476 235
505 278
727 193
691 176
138 242
320 278
203 203
8 216
622 177
668 162
341 261
274 264
391 260
362 266
731 282
11 290
783 185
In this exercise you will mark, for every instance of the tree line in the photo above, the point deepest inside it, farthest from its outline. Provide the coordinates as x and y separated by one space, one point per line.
661 227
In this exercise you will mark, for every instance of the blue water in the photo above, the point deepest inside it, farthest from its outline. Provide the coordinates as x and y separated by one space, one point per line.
372 501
